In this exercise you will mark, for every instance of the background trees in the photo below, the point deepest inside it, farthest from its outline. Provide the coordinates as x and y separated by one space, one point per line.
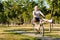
54 7
20 11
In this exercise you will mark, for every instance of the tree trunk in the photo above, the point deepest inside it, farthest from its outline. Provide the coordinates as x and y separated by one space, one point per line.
58 20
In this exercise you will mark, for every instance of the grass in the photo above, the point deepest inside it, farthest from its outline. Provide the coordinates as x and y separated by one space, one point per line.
6 33
52 35
15 37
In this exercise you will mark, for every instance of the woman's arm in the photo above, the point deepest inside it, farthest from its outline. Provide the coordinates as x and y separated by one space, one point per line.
33 14
42 14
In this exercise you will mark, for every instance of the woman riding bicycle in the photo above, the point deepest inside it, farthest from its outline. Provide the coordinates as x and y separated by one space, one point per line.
36 17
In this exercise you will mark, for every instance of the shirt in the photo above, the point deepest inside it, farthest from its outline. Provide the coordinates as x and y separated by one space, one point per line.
36 13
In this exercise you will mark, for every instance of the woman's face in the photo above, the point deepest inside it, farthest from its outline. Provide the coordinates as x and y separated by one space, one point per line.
36 8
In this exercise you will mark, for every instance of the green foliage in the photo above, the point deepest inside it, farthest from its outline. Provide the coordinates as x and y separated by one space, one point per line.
55 9
48 16
20 11
16 11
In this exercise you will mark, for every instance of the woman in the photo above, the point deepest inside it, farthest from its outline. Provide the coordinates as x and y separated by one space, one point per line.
36 17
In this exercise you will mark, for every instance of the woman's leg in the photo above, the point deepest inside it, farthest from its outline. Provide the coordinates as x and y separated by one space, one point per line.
33 22
41 25
42 21
46 20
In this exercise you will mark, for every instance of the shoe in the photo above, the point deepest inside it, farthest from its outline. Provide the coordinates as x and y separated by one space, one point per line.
50 20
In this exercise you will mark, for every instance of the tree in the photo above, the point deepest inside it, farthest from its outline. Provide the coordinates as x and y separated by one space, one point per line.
54 9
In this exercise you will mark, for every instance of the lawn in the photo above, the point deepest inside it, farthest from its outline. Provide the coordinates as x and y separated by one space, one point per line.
15 37
6 33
